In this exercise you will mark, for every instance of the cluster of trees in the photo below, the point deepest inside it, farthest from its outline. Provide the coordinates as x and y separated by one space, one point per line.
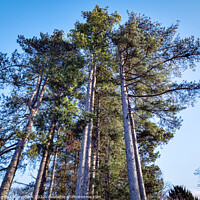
75 100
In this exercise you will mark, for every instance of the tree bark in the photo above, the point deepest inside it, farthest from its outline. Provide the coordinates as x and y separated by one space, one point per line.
108 173
34 108
44 176
53 169
43 164
81 169
52 174
93 167
137 157
86 182
83 178
130 151
95 159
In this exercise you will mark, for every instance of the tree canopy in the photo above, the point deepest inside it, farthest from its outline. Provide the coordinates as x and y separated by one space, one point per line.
90 109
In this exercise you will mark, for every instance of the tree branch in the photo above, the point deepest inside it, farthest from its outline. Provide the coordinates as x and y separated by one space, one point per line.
3 169
20 66
7 149
166 91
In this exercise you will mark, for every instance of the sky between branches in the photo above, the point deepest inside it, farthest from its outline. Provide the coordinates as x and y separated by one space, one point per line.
179 158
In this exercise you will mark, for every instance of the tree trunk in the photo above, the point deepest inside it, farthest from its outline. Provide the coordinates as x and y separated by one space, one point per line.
34 105
97 159
93 167
83 178
81 169
94 164
108 173
44 176
43 163
137 157
8 178
86 182
52 174
53 169
130 151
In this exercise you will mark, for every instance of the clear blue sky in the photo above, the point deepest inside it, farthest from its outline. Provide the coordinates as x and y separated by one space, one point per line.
180 157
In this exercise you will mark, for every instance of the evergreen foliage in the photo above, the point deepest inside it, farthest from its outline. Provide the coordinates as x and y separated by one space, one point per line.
66 94
180 193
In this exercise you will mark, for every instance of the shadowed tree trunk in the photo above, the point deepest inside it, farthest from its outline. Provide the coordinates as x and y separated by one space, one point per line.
95 153
44 176
53 173
108 173
44 164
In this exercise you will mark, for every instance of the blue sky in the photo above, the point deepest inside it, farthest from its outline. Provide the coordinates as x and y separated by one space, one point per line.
180 157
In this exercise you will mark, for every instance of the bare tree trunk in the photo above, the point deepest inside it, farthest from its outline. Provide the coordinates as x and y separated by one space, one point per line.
44 176
137 157
83 178
34 105
97 135
39 176
43 163
8 178
53 169
52 174
94 160
97 158
81 169
93 167
130 151
86 182
108 173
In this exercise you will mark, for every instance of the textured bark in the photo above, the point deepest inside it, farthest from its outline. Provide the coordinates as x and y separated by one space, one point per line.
34 105
137 157
53 169
83 178
52 174
8 178
97 159
97 136
93 167
43 164
81 169
86 182
130 151
44 177
95 155
108 173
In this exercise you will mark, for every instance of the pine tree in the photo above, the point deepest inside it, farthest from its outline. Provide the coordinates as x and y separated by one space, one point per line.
109 182
180 193
137 63
41 66
92 36
148 58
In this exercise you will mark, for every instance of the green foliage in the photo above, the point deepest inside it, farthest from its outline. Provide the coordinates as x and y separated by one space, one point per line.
153 55
57 62
93 35
153 181
181 193
111 178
